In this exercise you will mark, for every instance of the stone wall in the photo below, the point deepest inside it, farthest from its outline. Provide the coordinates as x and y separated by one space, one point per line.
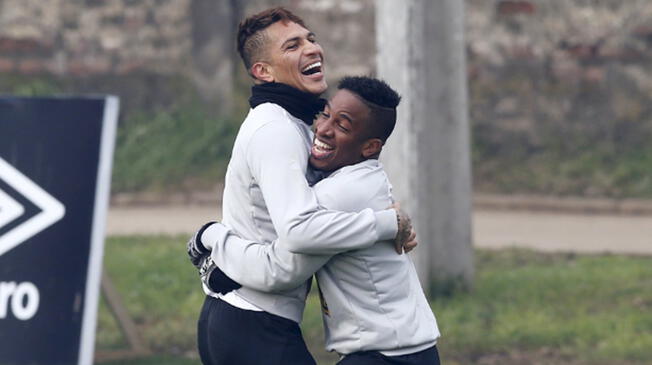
73 38
573 42
571 74
84 43
84 37
137 49
565 86
560 61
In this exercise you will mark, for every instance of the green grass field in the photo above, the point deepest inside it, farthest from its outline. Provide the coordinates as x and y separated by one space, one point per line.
526 307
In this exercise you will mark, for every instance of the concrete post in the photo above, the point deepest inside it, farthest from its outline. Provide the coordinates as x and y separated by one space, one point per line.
421 53
213 35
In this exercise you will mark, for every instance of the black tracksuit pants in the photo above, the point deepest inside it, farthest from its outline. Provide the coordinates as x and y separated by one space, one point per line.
426 357
232 336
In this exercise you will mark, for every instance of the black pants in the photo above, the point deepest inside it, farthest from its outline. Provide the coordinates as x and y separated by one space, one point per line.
232 336
426 357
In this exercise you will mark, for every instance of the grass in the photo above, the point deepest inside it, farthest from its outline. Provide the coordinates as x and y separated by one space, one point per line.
160 290
591 172
526 307
575 309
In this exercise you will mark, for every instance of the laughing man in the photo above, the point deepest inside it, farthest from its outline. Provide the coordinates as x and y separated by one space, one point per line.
374 309
267 196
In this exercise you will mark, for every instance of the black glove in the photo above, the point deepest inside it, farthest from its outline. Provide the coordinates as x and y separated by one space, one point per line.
214 278
196 249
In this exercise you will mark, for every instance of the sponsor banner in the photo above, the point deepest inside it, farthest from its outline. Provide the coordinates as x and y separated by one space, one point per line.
55 167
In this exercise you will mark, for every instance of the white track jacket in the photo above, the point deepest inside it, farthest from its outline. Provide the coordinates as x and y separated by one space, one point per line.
372 299
267 196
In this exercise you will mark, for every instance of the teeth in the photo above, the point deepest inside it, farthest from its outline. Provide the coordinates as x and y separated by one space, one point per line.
311 66
321 145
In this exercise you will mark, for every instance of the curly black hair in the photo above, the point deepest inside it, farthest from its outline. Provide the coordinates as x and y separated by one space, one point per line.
381 99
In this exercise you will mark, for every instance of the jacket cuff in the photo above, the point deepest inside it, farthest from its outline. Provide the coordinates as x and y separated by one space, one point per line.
386 224
213 234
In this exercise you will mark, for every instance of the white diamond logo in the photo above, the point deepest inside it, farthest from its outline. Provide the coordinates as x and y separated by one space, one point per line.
51 209
9 209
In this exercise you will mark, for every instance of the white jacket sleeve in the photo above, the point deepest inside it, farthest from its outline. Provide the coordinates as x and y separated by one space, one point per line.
277 159
268 268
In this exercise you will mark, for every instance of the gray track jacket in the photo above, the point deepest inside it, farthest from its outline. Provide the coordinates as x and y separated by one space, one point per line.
372 296
266 196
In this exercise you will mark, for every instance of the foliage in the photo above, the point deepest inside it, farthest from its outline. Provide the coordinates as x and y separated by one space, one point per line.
170 148
12 84
538 134
526 306
170 140
167 136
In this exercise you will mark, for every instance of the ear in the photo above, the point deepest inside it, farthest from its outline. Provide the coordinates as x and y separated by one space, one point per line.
262 71
372 147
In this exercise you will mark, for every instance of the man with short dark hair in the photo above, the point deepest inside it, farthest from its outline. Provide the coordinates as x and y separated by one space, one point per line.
267 196
373 307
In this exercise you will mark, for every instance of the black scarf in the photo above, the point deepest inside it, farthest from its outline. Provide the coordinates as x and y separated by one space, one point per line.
300 104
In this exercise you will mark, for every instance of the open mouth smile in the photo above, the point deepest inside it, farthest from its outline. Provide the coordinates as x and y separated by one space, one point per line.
312 69
321 150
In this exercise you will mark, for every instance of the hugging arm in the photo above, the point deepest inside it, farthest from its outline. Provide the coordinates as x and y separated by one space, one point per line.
277 158
264 267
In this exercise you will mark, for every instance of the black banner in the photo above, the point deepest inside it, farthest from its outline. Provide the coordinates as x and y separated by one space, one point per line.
55 163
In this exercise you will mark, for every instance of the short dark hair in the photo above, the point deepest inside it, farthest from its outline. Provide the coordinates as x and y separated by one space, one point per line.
251 36
381 99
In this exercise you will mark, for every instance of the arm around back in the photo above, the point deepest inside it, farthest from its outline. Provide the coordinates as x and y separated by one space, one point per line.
277 157
263 267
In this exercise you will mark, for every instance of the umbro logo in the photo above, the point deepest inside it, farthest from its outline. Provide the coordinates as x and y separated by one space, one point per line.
12 210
